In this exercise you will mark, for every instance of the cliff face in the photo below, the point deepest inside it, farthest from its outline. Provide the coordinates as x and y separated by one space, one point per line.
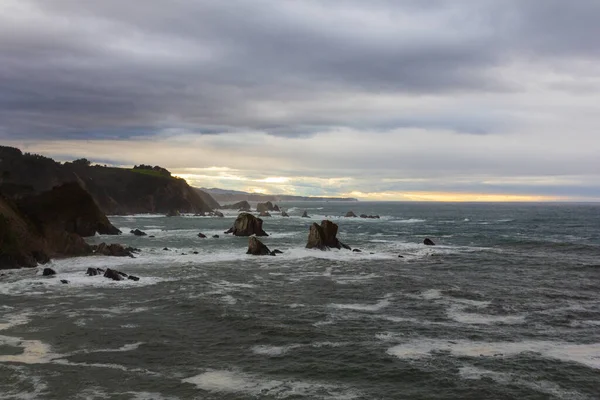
52 224
208 199
115 190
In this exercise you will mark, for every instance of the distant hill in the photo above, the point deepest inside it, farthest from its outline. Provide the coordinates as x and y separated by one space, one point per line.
225 196
143 189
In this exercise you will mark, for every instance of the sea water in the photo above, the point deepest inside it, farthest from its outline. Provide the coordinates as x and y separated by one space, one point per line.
505 306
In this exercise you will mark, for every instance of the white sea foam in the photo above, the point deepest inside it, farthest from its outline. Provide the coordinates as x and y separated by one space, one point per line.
365 307
455 312
273 351
409 221
254 385
586 354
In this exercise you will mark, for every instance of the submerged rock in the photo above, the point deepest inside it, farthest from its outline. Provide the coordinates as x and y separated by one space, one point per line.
218 214
215 236
133 278
369 216
48 272
247 225
257 248
323 237
137 232
428 242
357 250
277 252
202 235
264 214
305 214
114 274
64 281
173 213
350 214
284 214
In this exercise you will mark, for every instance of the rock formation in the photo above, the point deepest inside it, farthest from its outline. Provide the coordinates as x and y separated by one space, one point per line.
268 206
276 208
323 237
350 214
137 232
369 216
173 213
114 250
264 214
428 242
284 214
257 248
305 214
247 225
240 205
202 235
116 190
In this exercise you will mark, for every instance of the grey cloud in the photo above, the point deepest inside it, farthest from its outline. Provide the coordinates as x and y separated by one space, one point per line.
86 66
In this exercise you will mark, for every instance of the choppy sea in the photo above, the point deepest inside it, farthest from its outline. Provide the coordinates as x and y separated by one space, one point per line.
505 306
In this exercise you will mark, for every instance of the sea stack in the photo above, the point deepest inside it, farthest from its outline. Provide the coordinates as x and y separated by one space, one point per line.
257 248
247 225
323 237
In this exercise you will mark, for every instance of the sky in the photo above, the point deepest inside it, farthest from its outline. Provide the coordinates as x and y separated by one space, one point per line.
458 100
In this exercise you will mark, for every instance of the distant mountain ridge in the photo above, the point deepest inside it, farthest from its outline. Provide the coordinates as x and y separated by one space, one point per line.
225 196
143 189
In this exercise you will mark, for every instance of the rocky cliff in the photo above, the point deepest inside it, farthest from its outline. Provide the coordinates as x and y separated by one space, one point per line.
142 189
51 224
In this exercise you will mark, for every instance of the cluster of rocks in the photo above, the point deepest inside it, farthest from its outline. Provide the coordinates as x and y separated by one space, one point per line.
214 213
108 273
240 206
114 250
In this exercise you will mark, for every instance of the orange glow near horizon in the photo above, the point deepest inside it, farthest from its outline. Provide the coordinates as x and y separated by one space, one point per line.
451 197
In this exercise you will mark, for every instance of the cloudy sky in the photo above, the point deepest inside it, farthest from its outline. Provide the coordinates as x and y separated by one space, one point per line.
381 99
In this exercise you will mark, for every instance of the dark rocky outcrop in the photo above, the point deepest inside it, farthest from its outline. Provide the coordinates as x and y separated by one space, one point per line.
257 248
350 214
133 278
218 214
276 208
143 189
323 236
305 214
138 232
428 242
247 225
48 272
215 236
64 281
67 208
173 213
369 216
277 252
114 250
208 199
114 274
284 214
264 214
261 207
94 271
240 205
357 250
202 235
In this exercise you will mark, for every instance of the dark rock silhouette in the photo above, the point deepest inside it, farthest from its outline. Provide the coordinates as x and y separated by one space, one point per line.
173 213
218 214
305 214
48 272
94 271
202 235
240 205
247 225
114 250
137 232
369 216
257 248
117 191
276 208
114 274
350 214
277 252
133 278
264 214
284 214
323 237
215 236
357 250
428 242
268 206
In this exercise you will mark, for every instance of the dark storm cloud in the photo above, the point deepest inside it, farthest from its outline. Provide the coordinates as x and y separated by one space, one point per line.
70 67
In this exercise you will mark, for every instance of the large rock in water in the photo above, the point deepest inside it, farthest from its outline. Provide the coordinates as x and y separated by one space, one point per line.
257 248
247 225
114 250
268 206
350 214
323 237
305 214
240 205
428 242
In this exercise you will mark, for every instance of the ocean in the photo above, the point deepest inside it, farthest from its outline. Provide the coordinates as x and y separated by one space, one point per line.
505 306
